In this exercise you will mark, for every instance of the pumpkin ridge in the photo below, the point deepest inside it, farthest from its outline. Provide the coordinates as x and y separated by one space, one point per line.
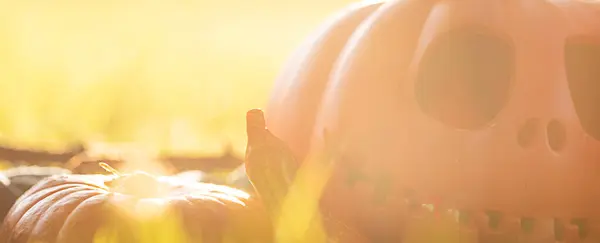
20 208
30 218
313 62
61 187
50 182
45 228
96 200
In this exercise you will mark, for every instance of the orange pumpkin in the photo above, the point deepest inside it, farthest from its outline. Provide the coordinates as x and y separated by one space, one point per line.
297 94
75 208
15 181
477 105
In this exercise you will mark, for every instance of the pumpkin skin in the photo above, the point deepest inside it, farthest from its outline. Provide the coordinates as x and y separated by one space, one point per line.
294 105
297 93
512 129
16 181
72 208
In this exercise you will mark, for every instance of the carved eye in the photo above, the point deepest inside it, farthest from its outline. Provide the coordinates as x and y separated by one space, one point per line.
464 78
582 63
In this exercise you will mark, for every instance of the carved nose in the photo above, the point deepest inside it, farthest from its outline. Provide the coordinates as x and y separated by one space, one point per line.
528 132
556 133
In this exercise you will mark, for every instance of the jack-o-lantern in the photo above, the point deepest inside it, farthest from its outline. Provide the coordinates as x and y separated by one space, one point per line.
477 105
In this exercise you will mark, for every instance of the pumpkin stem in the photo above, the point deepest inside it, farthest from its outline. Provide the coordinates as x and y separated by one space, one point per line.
109 169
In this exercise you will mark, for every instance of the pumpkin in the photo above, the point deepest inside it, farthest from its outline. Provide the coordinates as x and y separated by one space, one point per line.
84 208
474 105
16 181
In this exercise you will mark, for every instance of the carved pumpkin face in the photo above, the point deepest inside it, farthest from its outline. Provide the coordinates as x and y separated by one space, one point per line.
487 105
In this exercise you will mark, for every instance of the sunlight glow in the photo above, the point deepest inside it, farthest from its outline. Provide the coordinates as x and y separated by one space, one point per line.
133 70
165 226
300 219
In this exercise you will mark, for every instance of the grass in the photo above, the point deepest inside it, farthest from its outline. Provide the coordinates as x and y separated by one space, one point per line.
178 76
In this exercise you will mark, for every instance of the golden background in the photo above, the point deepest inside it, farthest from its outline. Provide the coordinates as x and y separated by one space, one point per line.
173 75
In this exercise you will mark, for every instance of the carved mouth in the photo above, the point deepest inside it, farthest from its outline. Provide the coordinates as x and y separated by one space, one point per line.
375 201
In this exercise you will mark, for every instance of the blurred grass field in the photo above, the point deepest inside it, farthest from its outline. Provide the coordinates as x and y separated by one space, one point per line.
177 76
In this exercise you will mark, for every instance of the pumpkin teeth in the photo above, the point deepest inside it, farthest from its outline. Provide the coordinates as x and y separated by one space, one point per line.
494 226
436 223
